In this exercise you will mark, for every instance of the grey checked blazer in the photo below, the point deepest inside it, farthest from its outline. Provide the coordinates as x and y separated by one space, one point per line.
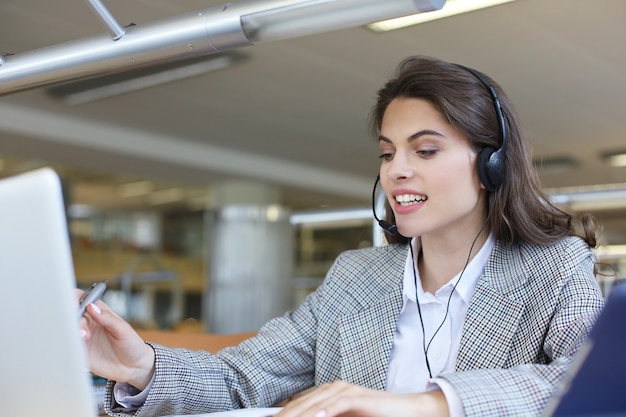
531 309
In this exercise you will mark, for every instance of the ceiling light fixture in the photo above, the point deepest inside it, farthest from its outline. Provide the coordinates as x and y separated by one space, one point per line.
205 32
558 165
610 252
617 159
135 189
318 218
166 196
301 18
113 85
590 198
451 8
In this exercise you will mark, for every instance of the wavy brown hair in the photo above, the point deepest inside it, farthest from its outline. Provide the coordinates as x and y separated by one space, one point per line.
520 209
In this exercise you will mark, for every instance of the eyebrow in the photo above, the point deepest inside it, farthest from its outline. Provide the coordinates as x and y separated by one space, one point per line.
414 136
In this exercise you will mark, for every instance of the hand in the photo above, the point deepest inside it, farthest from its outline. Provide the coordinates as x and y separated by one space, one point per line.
342 399
115 351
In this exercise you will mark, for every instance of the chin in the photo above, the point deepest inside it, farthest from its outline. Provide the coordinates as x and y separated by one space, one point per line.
407 232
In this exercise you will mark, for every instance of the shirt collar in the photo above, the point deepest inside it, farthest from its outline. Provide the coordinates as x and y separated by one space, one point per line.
465 288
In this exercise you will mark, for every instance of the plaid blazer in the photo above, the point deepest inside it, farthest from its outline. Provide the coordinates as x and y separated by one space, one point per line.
532 308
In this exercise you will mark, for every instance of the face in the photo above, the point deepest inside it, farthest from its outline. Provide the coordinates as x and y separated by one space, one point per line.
428 172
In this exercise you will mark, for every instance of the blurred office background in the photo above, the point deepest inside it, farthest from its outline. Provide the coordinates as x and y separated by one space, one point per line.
195 188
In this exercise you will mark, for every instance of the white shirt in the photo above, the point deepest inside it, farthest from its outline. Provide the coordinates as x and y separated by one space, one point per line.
407 366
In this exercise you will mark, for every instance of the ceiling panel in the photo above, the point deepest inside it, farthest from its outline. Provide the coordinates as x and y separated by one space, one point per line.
304 101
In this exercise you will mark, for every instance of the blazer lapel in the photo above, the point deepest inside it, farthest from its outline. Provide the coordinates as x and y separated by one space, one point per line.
366 336
487 332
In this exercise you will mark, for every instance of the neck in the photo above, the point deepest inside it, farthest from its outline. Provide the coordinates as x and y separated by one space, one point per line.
438 262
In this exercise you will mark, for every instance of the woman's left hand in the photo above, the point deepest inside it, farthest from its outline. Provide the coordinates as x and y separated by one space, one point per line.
342 399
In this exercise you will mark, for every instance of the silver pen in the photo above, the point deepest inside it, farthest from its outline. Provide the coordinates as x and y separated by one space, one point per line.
90 296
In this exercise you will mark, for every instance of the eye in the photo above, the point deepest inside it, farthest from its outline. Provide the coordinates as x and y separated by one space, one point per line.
427 153
386 156
387 152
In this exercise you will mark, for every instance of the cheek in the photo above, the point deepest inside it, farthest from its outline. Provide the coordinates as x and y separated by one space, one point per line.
460 177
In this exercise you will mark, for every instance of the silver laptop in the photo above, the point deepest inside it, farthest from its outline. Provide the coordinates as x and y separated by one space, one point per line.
43 366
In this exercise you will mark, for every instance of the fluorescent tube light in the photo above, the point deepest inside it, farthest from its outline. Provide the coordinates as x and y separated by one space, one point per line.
558 165
135 189
169 195
316 218
616 159
592 198
451 8
611 252
289 19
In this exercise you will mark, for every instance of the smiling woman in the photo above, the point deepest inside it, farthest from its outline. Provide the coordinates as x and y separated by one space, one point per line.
474 309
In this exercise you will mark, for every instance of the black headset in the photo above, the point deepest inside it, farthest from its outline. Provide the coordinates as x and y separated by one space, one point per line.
490 160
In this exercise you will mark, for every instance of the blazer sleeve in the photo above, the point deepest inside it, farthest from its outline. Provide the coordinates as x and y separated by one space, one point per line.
259 372
523 385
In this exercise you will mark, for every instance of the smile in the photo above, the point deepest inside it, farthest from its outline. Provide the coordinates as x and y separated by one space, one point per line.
409 199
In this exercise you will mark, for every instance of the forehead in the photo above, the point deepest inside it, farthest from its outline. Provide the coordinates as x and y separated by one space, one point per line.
405 116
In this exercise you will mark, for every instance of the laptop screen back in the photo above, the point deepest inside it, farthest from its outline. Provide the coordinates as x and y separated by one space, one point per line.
42 362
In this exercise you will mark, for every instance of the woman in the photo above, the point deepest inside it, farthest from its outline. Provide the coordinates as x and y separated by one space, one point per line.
475 308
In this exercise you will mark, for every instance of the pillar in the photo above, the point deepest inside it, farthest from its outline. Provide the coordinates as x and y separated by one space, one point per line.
250 252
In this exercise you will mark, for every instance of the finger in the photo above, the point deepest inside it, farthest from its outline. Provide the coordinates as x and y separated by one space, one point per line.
102 315
346 400
312 404
362 402
295 407
346 406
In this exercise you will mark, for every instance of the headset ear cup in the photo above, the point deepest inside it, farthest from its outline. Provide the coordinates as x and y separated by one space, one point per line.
485 169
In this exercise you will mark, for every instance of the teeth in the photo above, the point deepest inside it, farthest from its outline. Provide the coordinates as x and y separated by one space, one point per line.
408 199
